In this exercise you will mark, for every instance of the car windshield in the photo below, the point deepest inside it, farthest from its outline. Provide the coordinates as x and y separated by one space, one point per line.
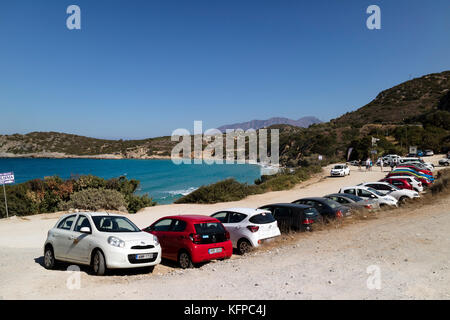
339 167
375 191
114 224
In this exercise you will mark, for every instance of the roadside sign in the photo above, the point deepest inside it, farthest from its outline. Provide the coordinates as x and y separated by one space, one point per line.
6 178
373 151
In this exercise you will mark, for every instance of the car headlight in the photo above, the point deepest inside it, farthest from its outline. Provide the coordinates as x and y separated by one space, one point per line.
116 242
155 239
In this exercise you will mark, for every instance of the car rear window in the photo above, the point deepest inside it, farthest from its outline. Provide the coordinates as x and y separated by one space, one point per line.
331 203
209 228
352 196
262 218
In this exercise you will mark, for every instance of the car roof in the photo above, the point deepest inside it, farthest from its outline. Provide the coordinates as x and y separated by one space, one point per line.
247 211
95 214
344 195
191 218
313 198
371 182
355 187
288 205
400 177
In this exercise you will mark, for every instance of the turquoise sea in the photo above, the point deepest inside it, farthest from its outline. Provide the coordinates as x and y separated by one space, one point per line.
162 180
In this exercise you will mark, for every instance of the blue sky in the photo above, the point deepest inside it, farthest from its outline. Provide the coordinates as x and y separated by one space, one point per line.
141 69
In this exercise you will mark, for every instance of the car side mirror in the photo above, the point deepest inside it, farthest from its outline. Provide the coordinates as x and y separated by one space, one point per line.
372 196
85 230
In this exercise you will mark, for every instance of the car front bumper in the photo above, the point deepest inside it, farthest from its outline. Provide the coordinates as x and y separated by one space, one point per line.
118 258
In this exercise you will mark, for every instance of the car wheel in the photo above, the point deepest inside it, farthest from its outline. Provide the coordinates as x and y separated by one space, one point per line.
244 246
149 269
184 260
49 258
402 200
98 263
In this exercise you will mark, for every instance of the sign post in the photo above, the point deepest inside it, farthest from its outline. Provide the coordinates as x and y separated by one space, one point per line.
6 178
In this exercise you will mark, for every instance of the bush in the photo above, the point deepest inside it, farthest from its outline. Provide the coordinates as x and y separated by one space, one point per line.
53 193
96 199
442 182
226 190
136 203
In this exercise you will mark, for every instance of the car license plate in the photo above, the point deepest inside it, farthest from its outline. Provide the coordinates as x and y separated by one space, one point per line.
144 256
214 250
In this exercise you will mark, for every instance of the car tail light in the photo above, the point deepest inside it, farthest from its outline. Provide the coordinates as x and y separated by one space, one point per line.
195 238
308 221
227 235
253 228
339 214
368 206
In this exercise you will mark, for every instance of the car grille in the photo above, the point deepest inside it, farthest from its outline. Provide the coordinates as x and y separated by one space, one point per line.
132 259
142 247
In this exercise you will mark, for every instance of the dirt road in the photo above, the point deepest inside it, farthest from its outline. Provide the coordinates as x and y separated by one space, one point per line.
408 249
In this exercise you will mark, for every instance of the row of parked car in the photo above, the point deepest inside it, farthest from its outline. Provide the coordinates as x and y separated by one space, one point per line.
111 241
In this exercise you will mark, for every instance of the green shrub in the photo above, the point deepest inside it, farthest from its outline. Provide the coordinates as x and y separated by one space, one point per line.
96 199
136 203
226 190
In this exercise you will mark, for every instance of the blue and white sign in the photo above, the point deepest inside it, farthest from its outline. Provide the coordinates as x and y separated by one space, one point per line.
7 178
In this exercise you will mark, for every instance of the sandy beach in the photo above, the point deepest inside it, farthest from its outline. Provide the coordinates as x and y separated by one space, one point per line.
411 248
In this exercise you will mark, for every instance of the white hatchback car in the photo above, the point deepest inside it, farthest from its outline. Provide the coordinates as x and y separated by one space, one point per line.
102 240
388 189
340 170
370 193
248 227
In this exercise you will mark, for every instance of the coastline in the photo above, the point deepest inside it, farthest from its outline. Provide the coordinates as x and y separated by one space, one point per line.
58 155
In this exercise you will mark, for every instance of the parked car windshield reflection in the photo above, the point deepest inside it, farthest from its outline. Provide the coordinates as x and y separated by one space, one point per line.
114 224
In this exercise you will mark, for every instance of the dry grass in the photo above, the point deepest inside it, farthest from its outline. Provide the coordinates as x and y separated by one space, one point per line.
437 192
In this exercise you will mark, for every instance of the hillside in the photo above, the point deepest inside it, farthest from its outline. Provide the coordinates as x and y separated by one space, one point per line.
406 100
303 122
55 144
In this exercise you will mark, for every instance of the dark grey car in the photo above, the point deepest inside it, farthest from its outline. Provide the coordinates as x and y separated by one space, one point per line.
353 202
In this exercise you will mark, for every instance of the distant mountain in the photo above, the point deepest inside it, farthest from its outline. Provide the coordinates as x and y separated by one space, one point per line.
258 124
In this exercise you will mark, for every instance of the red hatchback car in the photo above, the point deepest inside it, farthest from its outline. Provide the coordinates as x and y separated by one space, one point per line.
191 239
399 183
